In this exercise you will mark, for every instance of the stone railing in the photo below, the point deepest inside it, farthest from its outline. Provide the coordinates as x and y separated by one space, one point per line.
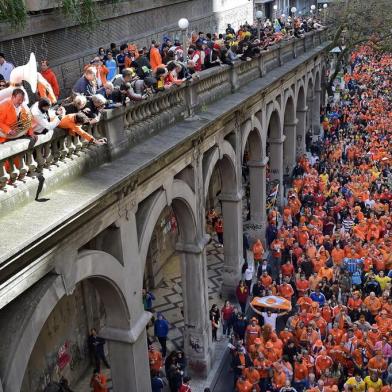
126 126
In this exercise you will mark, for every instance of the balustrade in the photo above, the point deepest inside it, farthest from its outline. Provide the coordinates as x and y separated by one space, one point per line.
126 126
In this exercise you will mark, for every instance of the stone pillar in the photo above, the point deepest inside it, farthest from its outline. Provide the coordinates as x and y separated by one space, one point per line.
309 115
257 179
316 112
258 191
197 333
276 164
301 130
127 351
289 146
232 241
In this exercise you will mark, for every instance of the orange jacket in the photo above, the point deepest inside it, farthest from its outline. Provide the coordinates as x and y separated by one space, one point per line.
155 58
68 122
8 119
51 78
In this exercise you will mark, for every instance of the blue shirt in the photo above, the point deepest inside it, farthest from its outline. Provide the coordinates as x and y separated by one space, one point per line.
352 265
317 297
111 65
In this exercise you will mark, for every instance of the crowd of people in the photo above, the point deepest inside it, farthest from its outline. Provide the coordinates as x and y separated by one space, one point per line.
116 76
329 253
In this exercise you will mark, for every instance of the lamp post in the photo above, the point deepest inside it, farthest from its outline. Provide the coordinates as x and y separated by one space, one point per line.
183 24
293 11
325 7
275 8
259 17
312 9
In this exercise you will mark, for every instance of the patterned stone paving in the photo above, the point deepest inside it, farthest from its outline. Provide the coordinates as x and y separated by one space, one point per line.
169 293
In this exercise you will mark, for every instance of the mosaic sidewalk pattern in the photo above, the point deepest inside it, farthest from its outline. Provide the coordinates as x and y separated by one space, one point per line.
169 293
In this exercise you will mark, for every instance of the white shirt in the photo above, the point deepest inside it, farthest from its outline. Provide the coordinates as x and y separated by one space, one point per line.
5 70
248 275
42 121
271 320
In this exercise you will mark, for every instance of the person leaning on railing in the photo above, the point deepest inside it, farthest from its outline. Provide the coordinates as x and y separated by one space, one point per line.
73 123
44 117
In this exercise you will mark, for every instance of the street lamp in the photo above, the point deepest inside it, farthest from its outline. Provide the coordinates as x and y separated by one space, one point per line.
293 11
259 17
183 24
325 6
312 9
275 8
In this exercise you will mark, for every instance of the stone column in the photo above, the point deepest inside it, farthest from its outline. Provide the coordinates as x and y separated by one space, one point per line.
258 213
276 164
127 351
289 146
257 180
197 333
301 130
316 112
232 241
309 115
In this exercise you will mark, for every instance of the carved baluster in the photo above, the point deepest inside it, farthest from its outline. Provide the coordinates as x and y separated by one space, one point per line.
40 157
14 172
63 147
49 158
77 142
4 176
55 151
31 163
70 145
23 168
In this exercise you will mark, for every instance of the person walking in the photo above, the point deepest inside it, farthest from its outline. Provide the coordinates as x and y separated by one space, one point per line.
214 318
242 294
161 329
96 345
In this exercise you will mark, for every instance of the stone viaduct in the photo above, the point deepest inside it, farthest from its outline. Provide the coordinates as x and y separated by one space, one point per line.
104 203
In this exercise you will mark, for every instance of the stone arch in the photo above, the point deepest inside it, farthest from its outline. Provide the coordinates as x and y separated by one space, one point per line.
106 274
184 206
224 158
289 132
301 119
253 135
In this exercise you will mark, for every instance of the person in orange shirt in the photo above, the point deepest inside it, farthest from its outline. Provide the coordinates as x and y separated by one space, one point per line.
279 376
15 117
252 332
263 366
49 75
336 332
265 280
258 251
302 285
286 290
270 353
73 123
98 382
372 303
377 363
155 359
304 303
322 362
325 272
243 385
155 56
253 376
384 323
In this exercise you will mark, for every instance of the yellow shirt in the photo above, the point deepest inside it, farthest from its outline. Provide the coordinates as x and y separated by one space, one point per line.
383 281
376 385
358 386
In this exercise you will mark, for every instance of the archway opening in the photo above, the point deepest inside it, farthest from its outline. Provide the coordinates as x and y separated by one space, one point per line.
309 113
63 348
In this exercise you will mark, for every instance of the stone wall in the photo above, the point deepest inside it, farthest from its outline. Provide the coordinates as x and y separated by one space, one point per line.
62 349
